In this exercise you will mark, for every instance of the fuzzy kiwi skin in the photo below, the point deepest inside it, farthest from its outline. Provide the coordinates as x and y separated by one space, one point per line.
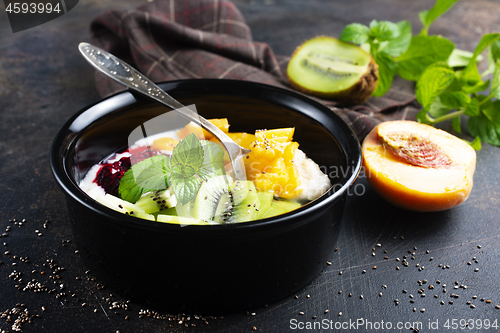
354 95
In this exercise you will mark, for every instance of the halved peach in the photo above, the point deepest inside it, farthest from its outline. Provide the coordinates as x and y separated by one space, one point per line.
418 167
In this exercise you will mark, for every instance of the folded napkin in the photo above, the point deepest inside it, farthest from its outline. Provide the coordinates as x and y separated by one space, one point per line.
170 40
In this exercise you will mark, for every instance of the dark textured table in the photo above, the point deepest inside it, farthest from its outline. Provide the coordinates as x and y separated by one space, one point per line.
453 270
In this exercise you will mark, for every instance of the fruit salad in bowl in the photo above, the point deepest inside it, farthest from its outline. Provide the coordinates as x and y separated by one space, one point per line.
280 177
202 245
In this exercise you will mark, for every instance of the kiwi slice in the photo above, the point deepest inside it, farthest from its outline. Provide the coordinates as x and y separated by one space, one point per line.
154 201
241 204
179 220
209 195
329 68
279 207
123 206
266 199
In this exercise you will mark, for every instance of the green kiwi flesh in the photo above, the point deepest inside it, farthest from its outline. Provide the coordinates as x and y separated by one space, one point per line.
328 68
240 204
209 196
124 207
155 201
279 207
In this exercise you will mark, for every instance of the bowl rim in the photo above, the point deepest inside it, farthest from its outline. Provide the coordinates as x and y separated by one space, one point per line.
69 187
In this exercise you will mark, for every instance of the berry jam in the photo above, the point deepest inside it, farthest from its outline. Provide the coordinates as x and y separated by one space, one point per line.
110 174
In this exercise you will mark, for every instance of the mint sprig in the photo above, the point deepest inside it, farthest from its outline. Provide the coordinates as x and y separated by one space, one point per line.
449 84
191 162
145 176
447 94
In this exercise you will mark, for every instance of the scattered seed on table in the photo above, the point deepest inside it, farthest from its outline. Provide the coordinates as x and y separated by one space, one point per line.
397 268
476 269
479 246
360 296
488 301
301 313
472 306
442 302
497 306
340 314
350 294
380 294
422 310
326 311
414 309
340 273
450 302
363 271
474 297
340 291
254 328
374 267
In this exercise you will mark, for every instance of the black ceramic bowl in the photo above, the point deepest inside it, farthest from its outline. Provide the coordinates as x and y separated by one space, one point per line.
207 268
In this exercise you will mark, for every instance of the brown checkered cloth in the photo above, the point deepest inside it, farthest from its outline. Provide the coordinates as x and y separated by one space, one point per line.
170 40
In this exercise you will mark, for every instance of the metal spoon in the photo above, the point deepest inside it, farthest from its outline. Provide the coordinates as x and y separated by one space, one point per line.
125 74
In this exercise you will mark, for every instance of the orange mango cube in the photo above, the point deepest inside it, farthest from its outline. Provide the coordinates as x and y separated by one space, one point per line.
164 143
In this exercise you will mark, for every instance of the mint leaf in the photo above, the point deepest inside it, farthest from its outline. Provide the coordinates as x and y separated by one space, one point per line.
476 143
493 56
472 109
398 45
213 161
422 52
455 100
185 189
128 189
495 83
485 129
154 176
427 17
355 33
384 30
435 79
188 152
437 108
486 126
386 71
455 123
461 58
470 76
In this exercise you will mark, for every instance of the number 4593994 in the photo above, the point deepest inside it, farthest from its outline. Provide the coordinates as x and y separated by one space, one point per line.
32 8
472 324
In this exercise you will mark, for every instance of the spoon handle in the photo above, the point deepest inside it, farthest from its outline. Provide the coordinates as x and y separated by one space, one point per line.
125 74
